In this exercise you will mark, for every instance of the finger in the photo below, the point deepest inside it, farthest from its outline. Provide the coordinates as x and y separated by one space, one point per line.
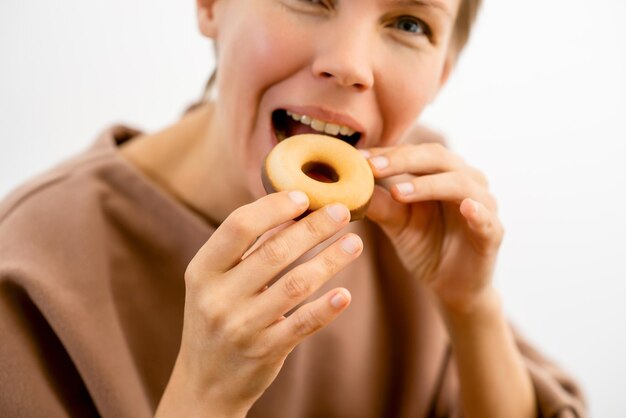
447 187
419 159
486 227
301 282
243 226
265 237
282 249
309 319
386 211
415 159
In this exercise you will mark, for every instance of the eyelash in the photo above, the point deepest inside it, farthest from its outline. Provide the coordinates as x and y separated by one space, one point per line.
423 28
324 3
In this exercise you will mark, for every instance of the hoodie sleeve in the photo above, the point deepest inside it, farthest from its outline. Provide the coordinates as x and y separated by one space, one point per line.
557 393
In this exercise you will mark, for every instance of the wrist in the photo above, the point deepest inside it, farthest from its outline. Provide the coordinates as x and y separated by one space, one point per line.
493 378
183 397
482 310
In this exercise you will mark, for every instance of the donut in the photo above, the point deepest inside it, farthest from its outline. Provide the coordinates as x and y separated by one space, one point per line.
327 169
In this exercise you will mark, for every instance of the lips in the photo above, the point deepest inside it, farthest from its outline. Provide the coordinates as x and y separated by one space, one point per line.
289 123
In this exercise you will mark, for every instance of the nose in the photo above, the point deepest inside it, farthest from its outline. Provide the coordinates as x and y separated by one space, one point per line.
346 59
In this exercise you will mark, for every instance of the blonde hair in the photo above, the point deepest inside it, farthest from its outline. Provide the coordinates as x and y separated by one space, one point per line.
465 19
464 23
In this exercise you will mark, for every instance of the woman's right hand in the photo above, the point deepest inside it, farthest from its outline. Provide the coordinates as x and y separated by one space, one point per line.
235 335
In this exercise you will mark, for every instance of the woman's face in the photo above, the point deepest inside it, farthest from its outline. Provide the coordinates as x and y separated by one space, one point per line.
363 66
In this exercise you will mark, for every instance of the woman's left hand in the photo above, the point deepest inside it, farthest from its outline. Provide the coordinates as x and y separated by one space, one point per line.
441 220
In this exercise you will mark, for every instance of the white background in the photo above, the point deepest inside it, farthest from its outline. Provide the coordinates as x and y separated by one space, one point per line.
538 102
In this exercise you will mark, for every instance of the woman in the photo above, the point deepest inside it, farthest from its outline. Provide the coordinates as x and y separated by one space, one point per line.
95 252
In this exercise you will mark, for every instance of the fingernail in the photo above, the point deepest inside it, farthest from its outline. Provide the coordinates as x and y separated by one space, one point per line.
380 162
405 188
474 206
351 244
365 153
299 198
337 212
339 300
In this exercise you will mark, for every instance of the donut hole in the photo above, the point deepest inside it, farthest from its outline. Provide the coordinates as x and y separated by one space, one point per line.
320 172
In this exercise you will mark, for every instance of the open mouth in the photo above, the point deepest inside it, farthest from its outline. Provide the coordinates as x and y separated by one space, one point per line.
288 124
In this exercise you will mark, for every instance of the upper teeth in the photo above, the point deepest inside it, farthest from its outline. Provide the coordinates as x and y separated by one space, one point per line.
321 126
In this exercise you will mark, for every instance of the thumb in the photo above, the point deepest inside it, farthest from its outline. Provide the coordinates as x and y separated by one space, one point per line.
388 213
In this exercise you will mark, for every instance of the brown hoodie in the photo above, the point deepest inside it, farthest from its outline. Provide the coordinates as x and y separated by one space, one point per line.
92 258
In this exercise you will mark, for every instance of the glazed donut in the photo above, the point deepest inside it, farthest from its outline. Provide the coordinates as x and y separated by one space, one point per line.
327 169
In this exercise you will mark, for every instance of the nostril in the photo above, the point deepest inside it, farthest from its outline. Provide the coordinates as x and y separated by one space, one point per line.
346 82
344 73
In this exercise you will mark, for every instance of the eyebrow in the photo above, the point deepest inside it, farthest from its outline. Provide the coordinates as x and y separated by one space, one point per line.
427 3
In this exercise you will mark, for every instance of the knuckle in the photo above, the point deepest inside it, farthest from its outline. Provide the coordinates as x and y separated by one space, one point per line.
314 228
448 160
481 178
239 224
219 321
493 231
261 350
437 149
307 322
192 276
213 314
329 264
196 278
274 251
296 285
236 330
489 228
461 182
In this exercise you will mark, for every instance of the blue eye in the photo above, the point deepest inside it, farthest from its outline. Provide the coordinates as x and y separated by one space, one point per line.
412 25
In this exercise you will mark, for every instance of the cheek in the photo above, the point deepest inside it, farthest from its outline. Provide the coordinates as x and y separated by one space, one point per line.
253 57
250 60
257 54
407 92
